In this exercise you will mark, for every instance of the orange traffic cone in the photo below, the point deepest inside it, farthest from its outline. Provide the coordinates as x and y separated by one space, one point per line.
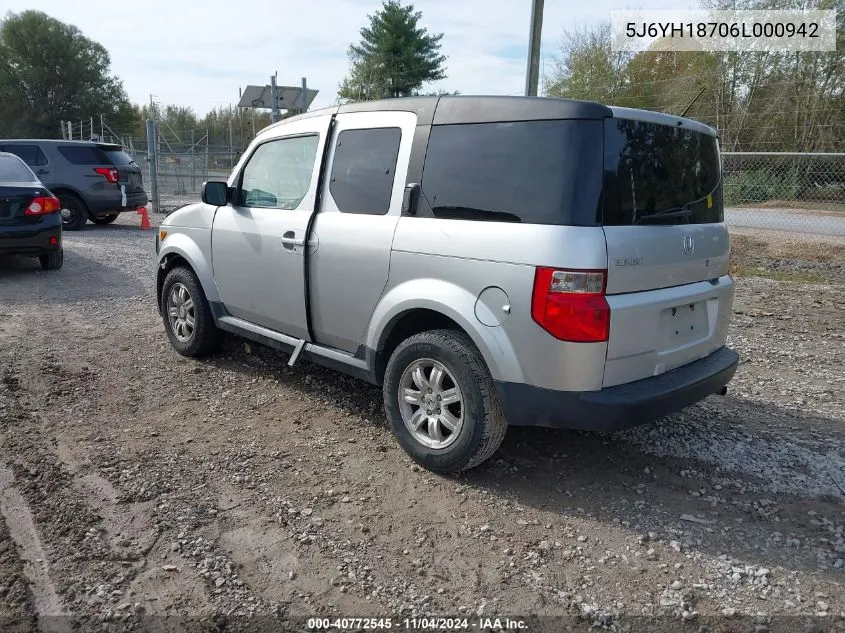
145 218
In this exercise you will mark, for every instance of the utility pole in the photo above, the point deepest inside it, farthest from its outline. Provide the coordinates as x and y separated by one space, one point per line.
102 129
152 158
532 74
304 103
231 148
193 164
274 98
206 154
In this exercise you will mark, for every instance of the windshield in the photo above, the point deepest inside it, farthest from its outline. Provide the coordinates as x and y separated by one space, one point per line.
660 174
12 169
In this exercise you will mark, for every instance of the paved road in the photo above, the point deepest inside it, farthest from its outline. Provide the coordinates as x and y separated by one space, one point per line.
796 220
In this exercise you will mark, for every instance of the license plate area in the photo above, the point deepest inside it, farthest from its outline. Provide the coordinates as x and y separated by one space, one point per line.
132 181
682 324
9 209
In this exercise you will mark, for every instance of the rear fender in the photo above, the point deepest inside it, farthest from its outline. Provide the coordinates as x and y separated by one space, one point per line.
451 301
58 189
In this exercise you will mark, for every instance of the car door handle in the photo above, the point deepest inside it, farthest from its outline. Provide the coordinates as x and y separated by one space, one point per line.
289 240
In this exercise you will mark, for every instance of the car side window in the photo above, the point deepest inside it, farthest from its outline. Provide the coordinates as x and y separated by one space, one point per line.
30 154
278 174
364 168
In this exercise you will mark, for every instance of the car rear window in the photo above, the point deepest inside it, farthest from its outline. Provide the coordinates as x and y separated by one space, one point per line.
536 172
84 154
652 170
13 170
118 157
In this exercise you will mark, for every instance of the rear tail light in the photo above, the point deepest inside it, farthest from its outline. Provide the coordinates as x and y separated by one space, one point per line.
43 205
570 304
109 174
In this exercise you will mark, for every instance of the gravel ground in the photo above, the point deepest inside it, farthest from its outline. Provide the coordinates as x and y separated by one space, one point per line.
141 490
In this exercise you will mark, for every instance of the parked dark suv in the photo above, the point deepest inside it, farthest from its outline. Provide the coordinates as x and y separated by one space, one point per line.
92 180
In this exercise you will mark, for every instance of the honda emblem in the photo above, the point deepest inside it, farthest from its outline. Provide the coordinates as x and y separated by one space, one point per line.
689 245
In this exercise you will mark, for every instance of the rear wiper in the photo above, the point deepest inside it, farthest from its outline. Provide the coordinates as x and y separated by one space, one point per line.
674 212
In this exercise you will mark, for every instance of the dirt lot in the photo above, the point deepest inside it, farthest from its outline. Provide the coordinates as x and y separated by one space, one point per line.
234 493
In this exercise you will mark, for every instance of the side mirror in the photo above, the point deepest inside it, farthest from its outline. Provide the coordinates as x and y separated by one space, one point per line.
411 199
215 192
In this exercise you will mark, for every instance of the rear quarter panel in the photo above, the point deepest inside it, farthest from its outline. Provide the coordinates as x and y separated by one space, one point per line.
96 191
445 265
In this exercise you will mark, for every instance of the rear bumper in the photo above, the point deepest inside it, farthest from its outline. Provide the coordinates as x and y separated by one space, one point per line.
622 406
26 240
136 200
103 205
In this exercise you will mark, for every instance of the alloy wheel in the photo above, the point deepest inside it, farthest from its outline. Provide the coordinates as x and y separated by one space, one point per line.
431 403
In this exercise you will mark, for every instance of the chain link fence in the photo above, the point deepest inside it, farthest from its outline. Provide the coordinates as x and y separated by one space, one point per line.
794 192
181 170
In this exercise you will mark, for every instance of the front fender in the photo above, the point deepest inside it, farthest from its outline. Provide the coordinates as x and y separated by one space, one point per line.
194 246
454 302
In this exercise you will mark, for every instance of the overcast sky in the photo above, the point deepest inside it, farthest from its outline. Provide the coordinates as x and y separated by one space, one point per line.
199 56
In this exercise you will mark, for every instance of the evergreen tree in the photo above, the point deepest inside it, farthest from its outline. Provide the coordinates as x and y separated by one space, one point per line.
394 58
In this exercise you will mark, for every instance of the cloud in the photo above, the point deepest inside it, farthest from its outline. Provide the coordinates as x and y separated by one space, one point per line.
198 54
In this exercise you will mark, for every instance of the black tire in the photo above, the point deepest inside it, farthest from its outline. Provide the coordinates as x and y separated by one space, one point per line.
106 219
205 336
484 425
53 260
74 212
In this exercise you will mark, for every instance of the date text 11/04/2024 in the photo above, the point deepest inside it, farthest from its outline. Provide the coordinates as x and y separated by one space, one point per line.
419 624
